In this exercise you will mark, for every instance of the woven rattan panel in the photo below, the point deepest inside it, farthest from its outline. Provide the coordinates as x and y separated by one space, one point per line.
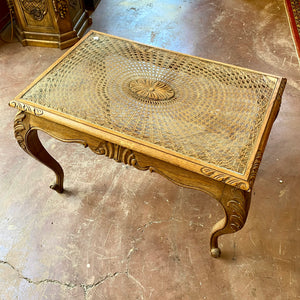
198 108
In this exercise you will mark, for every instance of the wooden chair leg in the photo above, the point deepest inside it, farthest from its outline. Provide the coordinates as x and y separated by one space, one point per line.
29 141
236 205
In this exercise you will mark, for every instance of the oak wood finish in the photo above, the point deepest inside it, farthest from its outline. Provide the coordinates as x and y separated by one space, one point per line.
231 187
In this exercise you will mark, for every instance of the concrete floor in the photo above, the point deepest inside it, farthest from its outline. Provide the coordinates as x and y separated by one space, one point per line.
118 233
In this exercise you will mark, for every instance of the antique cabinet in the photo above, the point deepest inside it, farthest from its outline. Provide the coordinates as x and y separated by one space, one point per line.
50 23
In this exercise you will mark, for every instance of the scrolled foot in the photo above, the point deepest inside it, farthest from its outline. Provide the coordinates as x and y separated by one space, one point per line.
57 188
236 205
215 252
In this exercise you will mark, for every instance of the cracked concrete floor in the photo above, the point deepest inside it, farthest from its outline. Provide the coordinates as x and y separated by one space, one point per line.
119 233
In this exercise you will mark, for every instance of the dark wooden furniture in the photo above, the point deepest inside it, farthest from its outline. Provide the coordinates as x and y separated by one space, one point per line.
91 4
50 23
199 123
4 14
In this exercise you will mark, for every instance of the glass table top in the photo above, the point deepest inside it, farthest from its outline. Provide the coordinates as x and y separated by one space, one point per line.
201 109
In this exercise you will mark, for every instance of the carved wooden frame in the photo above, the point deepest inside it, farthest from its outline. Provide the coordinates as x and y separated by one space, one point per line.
233 195
231 189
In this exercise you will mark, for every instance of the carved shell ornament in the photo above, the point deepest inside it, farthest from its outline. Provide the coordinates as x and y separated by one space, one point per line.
119 154
153 89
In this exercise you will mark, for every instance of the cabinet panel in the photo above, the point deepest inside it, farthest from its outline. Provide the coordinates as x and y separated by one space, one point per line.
50 23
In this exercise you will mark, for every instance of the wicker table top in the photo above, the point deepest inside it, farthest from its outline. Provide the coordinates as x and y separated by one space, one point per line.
202 111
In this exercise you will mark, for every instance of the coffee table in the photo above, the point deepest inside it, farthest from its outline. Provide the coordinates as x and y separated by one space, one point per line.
199 123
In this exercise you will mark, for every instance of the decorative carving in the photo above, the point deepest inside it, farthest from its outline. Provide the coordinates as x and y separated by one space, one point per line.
24 107
19 127
238 215
236 204
236 207
119 154
153 89
61 7
255 167
219 176
73 3
36 8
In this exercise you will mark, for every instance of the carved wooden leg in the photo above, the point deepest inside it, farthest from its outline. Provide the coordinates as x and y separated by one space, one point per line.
29 141
236 204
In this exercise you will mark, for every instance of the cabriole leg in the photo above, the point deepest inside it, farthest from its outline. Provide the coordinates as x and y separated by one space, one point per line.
29 141
236 204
